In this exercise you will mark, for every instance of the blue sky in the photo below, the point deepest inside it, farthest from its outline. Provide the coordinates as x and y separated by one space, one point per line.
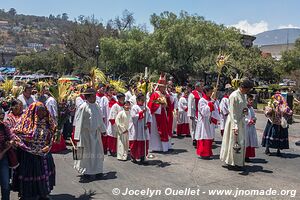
253 16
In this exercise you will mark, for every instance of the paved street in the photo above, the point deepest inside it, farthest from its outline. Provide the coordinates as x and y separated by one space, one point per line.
182 169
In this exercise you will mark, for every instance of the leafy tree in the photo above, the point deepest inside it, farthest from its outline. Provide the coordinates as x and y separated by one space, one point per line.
12 12
291 59
65 17
51 17
123 23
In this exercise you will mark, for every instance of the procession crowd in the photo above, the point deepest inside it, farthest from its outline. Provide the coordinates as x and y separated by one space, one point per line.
103 121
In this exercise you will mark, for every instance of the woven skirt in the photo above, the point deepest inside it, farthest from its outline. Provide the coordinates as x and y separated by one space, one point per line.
35 175
275 136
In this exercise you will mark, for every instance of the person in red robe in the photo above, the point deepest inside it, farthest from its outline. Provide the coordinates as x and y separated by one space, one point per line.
159 138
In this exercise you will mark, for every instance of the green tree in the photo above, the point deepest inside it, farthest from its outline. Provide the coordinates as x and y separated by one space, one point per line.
290 60
12 12
65 17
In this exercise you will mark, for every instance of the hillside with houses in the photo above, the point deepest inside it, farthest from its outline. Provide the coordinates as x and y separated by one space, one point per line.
26 33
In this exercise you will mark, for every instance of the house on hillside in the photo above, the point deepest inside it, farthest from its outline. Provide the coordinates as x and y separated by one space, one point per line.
276 49
4 25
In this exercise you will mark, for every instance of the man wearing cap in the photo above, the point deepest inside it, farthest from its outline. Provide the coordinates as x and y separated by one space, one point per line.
192 114
159 139
88 131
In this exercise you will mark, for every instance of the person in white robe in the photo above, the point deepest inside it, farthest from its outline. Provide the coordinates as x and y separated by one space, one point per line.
51 105
182 118
139 130
106 102
208 117
234 132
79 101
132 100
224 111
128 94
251 141
193 100
175 113
122 122
112 127
88 130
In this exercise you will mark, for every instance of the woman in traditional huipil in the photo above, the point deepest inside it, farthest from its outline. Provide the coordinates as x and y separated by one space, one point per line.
14 114
276 134
35 177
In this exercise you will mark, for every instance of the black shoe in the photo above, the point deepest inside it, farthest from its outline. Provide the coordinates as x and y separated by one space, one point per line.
133 160
205 157
297 143
112 154
267 152
105 152
247 160
88 177
278 153
235 168
44 198
143 161
100 175
195 143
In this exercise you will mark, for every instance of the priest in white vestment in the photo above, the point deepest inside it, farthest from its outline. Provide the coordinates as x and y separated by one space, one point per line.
235 126
88 131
